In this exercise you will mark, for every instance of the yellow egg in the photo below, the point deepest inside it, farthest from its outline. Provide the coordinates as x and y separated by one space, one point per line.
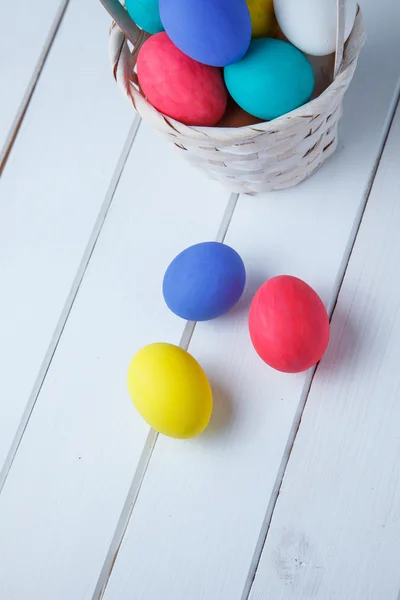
263 22
170 390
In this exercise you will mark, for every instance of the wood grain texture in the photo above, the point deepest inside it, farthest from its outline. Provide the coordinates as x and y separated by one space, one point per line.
195 529
336 529
65 492
27 32
51 194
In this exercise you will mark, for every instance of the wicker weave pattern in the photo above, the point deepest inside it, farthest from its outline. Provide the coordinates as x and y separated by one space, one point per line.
258 158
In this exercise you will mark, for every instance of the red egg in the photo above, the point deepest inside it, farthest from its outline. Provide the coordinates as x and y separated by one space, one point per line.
288 324
178 86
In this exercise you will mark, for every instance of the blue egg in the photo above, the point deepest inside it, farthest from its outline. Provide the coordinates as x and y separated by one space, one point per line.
272 79
204 281
146 14
213 32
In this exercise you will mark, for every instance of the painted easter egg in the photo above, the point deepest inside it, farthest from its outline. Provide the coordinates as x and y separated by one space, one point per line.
311 25
235 116
263 22
289 325
204 281
214 32
170 390
146 14
179 86
272 79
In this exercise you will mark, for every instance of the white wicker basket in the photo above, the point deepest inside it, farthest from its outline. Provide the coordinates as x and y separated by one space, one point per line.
268 156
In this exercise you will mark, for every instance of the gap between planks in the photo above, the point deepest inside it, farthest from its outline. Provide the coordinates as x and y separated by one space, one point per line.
141 469
98 226
306 391
187 334
19 117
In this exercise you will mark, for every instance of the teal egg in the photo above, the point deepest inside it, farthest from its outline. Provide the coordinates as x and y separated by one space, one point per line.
146 14
272 79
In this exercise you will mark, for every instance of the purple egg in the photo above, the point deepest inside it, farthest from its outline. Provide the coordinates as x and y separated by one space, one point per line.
213 32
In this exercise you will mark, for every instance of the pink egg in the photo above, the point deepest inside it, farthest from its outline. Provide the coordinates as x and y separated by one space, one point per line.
179 86
288 324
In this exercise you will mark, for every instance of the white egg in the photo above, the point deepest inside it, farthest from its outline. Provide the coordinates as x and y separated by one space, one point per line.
311 24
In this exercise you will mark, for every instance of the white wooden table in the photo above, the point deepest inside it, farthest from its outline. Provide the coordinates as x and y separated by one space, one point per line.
294 490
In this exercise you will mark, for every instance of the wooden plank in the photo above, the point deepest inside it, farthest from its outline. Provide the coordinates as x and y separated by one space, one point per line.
335 532
28 30
53 194
74 467
196 528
